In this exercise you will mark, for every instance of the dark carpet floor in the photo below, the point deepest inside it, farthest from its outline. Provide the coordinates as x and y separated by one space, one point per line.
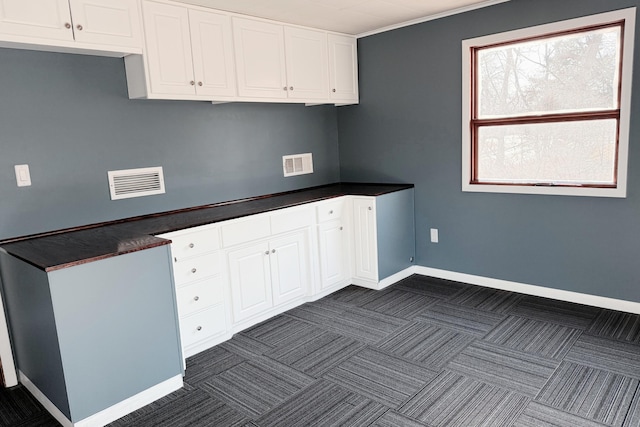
423 352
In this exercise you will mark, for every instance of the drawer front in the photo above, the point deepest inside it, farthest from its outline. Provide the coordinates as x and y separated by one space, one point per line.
246 230
203 325
328 211
188 270
291 219
200 295
195 243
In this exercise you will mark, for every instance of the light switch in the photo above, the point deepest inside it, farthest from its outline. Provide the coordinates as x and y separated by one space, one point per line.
23 178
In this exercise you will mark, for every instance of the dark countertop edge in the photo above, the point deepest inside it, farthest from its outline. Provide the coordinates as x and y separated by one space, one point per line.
401 186
162 241
98 258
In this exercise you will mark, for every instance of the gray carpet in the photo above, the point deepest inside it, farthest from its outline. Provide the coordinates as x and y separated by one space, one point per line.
424 352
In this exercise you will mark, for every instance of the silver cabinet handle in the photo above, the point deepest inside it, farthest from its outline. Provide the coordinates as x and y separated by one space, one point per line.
192 83
333 90
290 87
191 245
330 212
284 88
370 208
199 83
196 298
198 328
340 228
266 253
79 27
193 270
67 25
273 251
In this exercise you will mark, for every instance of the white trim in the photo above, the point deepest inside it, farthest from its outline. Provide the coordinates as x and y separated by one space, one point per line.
541 291
386 282
628 15
111 413
6 355
44 401
432 17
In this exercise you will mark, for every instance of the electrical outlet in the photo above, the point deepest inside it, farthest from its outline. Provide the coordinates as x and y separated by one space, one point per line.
434 235
23 177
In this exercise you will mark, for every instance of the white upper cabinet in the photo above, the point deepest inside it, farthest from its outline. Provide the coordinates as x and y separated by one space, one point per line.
260 59
36 18
112 23
307 64
189 52
212 47
168 48
343 69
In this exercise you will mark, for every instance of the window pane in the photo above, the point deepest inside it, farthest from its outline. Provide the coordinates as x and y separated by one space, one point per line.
580 152
572 72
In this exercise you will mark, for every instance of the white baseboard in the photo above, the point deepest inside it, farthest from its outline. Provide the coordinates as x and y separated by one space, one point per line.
541 291
111 413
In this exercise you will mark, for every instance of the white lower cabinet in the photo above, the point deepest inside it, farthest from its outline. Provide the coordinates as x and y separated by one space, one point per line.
268 274
233 274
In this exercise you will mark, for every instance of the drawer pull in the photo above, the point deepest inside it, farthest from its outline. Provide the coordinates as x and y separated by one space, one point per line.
340 228
196 298
273 251
330 212
193 270
191 245
266 253
198 328
370 208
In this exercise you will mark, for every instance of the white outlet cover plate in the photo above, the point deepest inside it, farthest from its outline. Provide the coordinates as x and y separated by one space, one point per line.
434 235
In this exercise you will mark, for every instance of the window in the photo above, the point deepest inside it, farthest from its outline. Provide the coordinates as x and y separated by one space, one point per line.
546 109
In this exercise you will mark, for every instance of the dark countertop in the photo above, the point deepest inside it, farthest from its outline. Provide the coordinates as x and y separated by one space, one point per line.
66 248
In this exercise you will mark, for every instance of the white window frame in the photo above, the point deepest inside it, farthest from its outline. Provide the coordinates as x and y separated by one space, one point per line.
620 191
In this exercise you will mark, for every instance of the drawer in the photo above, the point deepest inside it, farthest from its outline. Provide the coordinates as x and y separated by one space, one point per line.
195 243
203 325
197 268
246 230
331 210
200 295
291 219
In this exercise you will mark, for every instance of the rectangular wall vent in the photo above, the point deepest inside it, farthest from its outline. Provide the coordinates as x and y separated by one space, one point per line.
297 164
124 184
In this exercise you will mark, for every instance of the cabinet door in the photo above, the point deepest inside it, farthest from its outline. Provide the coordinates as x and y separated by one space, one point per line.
343 68
260 59
49 19
110 22
289 267
168 48
212 47
307 64
364 238
250 278
332 239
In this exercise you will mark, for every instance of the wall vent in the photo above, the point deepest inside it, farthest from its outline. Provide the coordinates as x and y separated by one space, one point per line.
297 164
124 184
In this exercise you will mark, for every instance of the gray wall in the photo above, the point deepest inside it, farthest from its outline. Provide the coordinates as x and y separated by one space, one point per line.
69 118
407 128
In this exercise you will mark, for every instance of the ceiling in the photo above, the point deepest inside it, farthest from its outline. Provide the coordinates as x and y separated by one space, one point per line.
357 17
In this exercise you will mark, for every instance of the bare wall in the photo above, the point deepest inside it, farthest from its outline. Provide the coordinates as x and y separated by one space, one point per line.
69 118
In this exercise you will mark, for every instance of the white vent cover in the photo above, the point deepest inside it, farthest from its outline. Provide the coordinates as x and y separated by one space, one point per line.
297 164
128 183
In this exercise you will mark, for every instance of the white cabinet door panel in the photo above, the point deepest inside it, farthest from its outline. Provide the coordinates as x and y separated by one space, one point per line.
365 240
168 48
343 68
250 279
36 18
307 63
212 45
333 243
110 22
260 59
289 271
